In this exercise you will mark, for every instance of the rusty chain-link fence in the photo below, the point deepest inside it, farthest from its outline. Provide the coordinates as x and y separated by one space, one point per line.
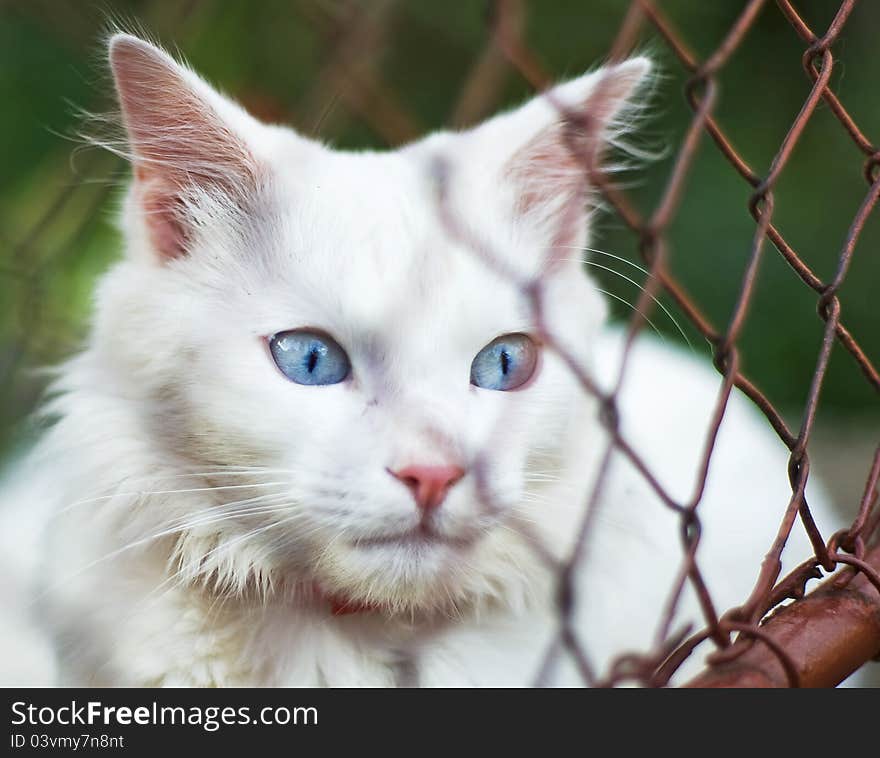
820 640
820 637
816 641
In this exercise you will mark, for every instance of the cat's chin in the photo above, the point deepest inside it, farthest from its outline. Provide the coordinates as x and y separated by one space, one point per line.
413 573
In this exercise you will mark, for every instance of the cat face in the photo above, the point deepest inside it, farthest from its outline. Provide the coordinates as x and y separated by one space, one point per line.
356 334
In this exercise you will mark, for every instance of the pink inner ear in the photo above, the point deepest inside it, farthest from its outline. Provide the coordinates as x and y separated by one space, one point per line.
163 210
179 142
552 185
546 170
551 170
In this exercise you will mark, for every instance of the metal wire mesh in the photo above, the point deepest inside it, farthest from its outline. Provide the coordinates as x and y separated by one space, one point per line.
742 633
846 546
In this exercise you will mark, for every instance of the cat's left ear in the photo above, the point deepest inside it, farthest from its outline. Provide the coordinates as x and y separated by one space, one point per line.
545 151
185 141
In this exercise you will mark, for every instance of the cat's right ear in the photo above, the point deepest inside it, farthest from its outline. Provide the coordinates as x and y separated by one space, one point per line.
185 141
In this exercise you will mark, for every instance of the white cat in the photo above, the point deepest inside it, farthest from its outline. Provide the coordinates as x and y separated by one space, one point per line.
312 421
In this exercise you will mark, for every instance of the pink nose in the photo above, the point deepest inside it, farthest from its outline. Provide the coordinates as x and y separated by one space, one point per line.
428 484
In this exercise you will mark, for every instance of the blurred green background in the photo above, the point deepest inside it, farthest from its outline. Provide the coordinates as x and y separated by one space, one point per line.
370 74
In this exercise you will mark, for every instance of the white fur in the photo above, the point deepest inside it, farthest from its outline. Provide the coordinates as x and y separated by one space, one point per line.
174 412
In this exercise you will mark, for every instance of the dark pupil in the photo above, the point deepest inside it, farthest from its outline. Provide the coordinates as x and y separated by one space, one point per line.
505 362
313 360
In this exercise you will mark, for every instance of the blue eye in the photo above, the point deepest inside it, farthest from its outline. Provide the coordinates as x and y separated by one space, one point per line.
306 357
505 363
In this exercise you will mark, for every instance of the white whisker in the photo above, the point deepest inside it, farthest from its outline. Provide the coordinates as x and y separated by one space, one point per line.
630 305
147 493
182 524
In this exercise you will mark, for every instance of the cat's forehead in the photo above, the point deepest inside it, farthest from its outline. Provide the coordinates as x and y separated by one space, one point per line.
367 232
374 201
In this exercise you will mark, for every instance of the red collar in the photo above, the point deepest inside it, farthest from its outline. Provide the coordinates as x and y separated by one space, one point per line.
344 607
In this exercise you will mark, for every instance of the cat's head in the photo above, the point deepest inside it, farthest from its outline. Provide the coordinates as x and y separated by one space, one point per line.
356 333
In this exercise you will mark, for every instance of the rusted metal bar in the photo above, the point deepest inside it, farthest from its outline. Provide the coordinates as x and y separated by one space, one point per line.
826 635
